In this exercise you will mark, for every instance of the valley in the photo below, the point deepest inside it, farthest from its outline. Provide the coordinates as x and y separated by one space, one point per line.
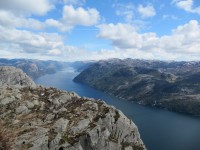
159 129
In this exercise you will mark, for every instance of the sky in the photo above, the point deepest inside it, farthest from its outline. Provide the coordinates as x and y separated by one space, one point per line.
74 30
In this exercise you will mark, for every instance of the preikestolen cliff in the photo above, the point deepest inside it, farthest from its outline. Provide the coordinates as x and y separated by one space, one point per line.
99 75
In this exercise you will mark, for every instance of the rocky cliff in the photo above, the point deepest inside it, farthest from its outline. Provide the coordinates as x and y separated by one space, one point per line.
11 76
39 118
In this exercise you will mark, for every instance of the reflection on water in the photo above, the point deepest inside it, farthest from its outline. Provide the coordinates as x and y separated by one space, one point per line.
159 129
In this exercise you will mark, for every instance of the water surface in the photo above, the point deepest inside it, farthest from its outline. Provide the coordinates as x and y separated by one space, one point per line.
159 129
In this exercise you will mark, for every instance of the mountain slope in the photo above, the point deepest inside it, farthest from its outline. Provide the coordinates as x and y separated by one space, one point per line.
38 118
171 85
11 76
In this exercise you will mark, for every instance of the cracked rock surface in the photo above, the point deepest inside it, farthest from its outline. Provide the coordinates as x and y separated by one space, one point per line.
39 118
11 76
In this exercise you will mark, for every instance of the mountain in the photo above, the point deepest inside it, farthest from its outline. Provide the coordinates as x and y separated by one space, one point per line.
38 68
34 68
80 65
38 118
11 76
171 85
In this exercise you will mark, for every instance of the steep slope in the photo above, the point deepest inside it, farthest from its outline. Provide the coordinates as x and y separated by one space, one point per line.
154 83
11 76
39 118
80 65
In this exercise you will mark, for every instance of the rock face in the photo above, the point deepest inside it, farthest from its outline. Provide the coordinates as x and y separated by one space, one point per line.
170 85
11 76
39 118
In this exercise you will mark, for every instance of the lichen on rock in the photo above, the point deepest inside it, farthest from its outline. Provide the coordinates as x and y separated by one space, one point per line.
40 118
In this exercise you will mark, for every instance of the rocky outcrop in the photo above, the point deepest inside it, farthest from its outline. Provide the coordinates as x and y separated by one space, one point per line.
11 76
39 118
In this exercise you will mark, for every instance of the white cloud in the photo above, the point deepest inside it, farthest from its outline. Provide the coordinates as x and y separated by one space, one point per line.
146 11
58 24
55 52
26 7
8 19
184 4
119 53
126 11
17 14
80 16
131 15
184 39
28 42
183 43
187 5
21 43
75 16
125 36
16 43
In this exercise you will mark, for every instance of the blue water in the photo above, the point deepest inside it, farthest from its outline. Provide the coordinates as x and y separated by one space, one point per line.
159 129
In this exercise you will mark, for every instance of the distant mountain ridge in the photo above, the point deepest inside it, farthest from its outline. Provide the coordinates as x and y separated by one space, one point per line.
171 85
34 68
37 68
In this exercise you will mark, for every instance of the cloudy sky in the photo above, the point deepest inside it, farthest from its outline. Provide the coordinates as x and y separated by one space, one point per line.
70 30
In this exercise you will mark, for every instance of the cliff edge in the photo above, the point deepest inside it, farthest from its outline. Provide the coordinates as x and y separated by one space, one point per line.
39 118
11 76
